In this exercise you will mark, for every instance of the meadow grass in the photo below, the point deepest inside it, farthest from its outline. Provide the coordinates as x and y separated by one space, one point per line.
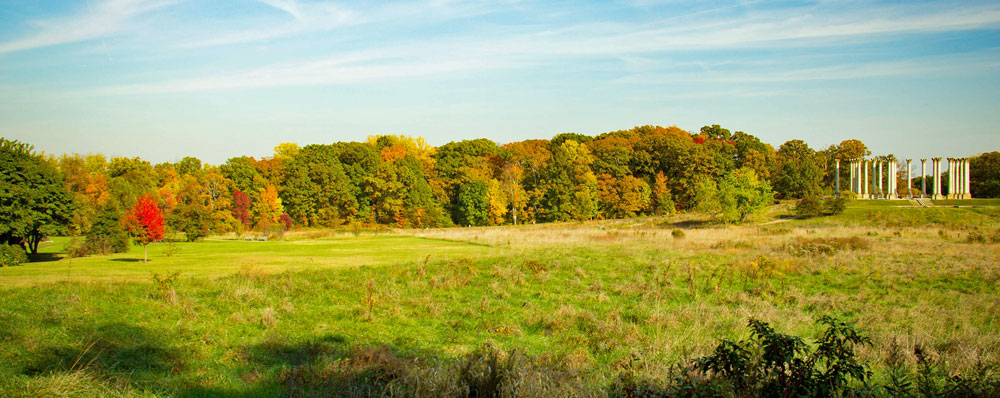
297 317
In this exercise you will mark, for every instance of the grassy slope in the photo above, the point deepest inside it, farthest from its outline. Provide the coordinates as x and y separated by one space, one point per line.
584 295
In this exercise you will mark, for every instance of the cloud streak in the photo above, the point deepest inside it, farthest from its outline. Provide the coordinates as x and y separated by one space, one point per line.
533 46
106 18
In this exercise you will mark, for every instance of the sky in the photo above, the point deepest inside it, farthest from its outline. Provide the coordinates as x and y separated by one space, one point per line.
214 79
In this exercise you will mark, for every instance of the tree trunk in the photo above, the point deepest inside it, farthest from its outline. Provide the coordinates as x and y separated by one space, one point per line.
33 239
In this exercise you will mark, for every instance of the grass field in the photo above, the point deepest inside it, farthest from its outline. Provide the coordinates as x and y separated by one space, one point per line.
218 257
310 316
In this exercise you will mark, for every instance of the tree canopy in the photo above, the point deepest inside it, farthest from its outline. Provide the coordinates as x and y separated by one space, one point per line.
34 202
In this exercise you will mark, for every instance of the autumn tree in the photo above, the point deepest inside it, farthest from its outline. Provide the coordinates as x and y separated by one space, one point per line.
531 158
268 208
621 197
34 202
193 214
144 222
661 200
569 184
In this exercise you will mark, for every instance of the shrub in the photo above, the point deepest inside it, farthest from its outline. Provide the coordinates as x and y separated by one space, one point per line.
677 233
976 237
848 195
834 206
775 364
826 246
808 206
105 236
11 255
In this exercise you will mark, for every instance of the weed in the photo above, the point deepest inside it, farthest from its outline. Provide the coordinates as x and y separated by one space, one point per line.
825 246
165 287
370 298
677 233
976 237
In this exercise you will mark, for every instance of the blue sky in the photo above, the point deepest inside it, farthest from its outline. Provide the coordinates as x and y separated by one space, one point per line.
163 79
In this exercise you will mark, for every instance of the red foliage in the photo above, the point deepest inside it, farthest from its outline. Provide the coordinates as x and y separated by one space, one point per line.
241 207
286 220
145 221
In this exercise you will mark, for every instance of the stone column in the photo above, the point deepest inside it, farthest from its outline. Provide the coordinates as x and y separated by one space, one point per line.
936 169
909 180
959 178
923 177
895 180
836 186
892 178
879 194
968 178
865 188
951 179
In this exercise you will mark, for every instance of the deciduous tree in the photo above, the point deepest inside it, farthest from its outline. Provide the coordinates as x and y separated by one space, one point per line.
34 202
144 222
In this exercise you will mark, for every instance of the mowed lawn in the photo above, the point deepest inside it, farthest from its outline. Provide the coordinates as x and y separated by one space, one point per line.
217 257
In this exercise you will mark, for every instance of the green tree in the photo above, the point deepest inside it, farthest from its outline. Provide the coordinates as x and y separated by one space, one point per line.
34 202
473 204
192 214
188 166
808 207
317 190
751 194
984 180
798 175
733 198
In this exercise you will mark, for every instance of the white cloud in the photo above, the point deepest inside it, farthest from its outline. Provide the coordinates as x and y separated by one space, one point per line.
641 47
103 19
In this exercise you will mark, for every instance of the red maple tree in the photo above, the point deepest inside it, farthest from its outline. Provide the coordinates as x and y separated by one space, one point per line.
241 207
145 223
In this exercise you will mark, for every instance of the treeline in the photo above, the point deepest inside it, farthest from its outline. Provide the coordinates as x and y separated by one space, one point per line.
402 181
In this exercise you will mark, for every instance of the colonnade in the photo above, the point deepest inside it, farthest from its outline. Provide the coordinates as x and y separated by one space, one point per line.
866 178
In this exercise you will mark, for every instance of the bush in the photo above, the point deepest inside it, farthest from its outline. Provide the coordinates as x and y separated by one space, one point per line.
848 195
976 237
808 206
11 255
677 234
105 236
834 206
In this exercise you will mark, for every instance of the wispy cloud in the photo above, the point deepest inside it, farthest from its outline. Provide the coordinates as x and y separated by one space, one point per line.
99 20
533 45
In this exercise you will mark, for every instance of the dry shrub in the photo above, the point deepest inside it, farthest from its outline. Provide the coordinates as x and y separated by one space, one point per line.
268 317
733 244
764 267
774 231
826 246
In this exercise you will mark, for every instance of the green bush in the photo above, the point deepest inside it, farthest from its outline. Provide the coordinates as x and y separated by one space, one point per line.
11 255
834 206
677 234
808 207
105 236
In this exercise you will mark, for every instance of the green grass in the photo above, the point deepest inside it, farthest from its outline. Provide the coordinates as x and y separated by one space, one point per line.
224 257
967 202
287 318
